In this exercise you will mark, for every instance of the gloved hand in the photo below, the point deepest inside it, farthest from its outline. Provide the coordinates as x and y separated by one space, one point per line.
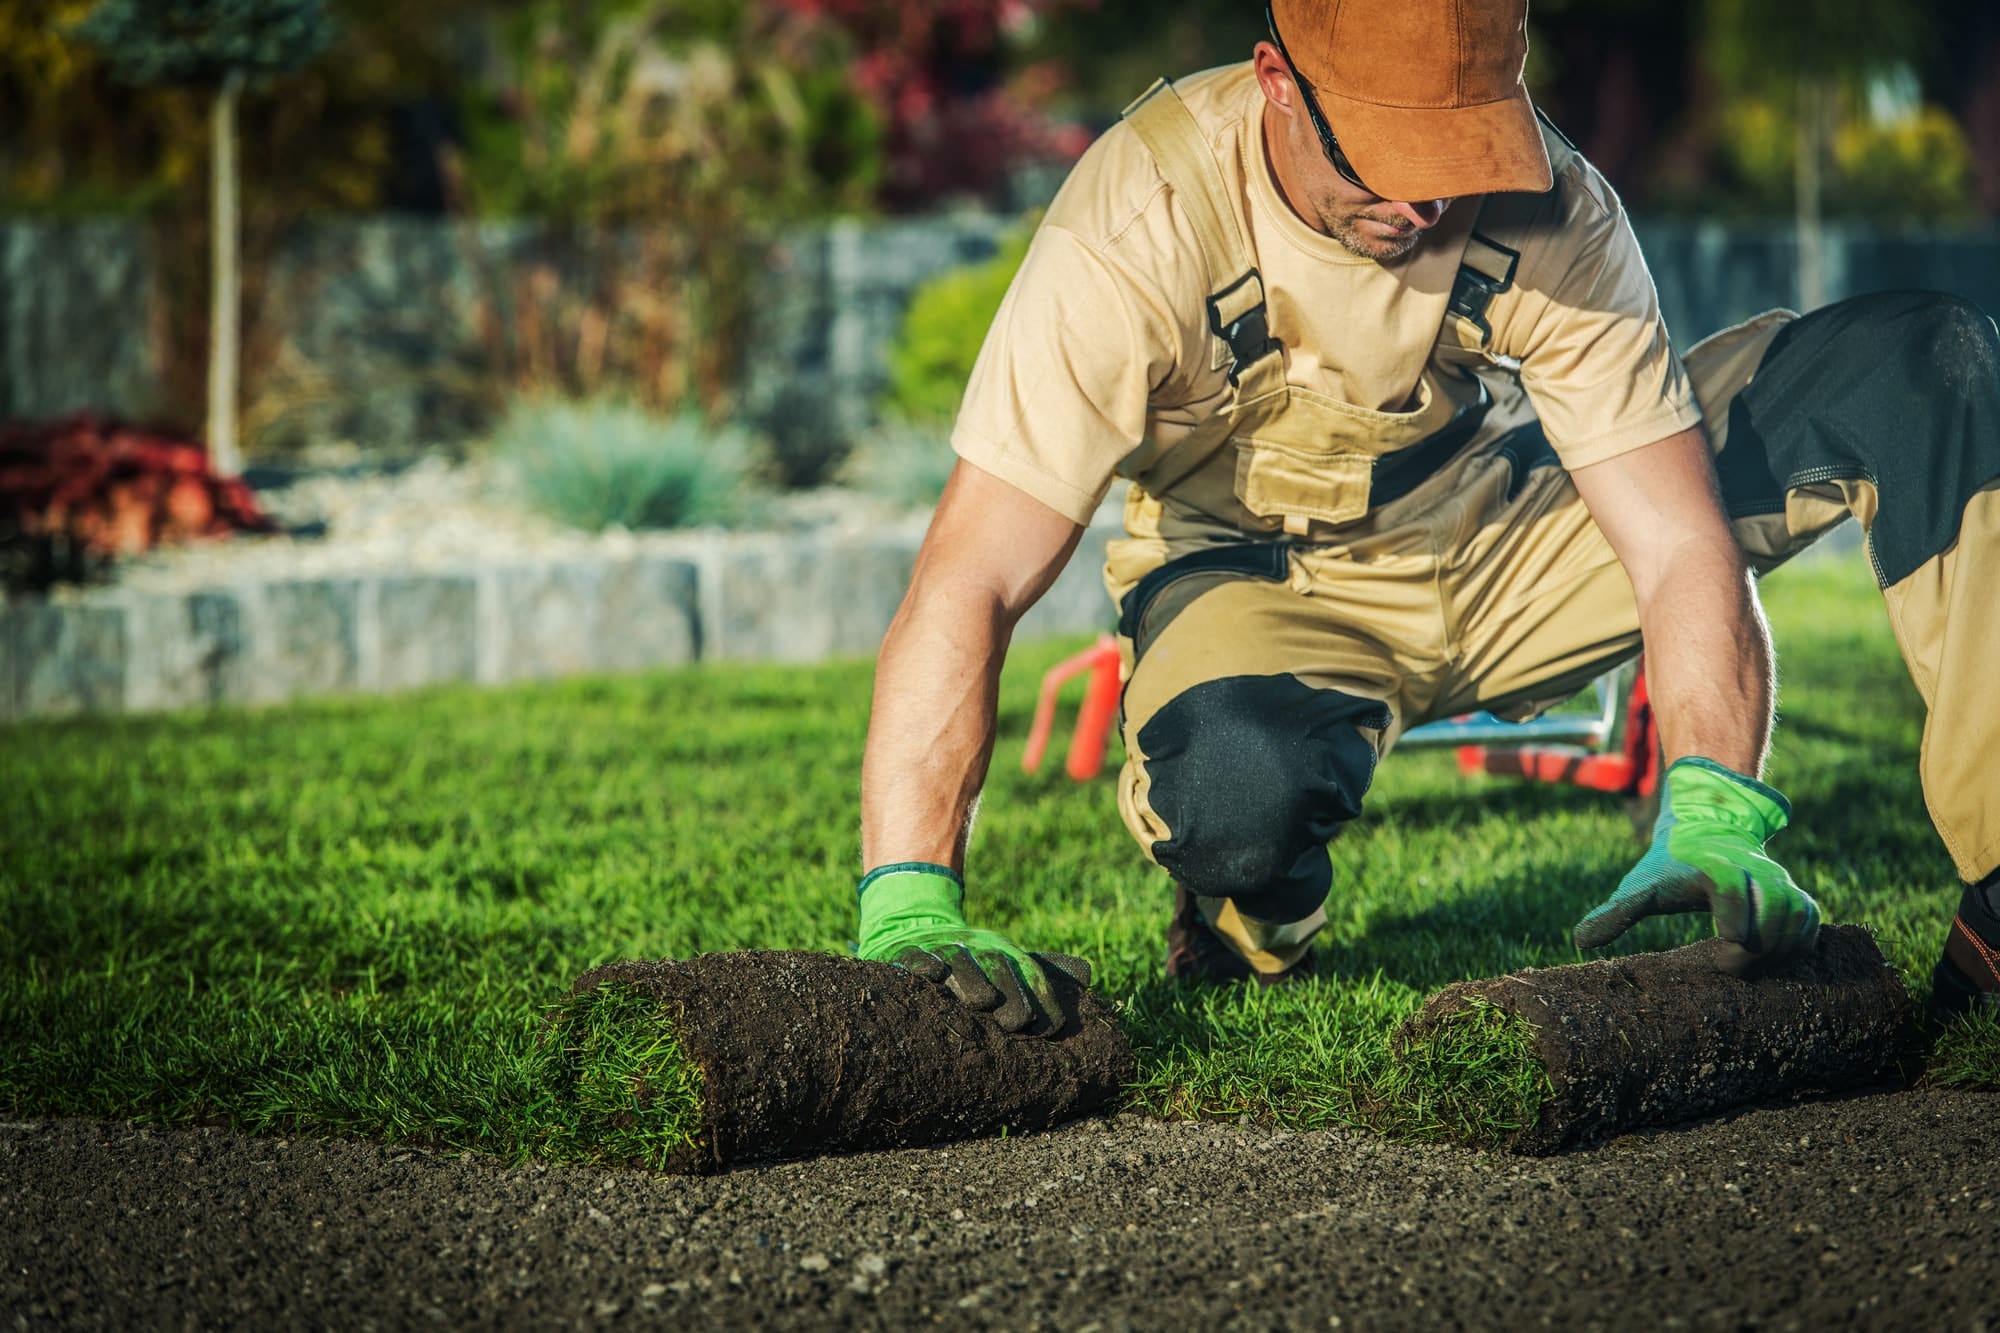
1708 855
912 915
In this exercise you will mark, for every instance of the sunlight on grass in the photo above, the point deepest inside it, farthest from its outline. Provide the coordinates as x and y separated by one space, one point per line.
1474 1079
634 1094
352 916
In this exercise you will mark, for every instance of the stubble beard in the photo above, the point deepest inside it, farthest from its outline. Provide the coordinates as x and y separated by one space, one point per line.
1338 221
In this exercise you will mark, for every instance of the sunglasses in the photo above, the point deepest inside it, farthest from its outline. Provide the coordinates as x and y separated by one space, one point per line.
1327 142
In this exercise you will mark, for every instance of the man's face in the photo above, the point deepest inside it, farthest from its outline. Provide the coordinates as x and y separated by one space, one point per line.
1364 224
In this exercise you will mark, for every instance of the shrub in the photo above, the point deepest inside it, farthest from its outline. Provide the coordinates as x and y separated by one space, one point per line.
904 462
78 491
808 443
666 140
958 113
942 332
1917 164
598 464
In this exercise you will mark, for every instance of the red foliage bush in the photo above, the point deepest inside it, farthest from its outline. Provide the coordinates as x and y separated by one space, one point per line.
932 69
78 491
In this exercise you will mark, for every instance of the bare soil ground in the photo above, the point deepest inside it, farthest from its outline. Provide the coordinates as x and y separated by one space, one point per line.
1876 1212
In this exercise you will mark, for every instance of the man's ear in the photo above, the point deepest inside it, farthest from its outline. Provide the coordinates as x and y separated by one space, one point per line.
1274 78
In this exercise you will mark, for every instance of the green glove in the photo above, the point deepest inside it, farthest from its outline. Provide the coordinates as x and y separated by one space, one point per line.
1708 855
912 915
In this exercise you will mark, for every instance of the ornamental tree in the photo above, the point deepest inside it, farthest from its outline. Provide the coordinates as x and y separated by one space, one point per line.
219 46
1811 53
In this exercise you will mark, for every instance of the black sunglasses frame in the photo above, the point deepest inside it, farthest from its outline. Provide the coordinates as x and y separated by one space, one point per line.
1327 142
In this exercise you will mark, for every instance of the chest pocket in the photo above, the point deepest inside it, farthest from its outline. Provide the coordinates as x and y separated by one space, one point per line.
1317 460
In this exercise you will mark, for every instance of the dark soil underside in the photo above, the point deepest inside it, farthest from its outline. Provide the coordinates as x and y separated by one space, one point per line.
1879 1212
801 1053
1665 1038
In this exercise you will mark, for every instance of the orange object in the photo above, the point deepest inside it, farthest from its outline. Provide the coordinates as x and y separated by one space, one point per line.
1634 771
1092 737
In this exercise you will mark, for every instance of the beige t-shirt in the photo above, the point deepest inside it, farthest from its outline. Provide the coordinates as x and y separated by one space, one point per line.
1102 343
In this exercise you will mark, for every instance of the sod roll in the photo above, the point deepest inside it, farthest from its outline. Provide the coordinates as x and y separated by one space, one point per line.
804 1053
1662 1038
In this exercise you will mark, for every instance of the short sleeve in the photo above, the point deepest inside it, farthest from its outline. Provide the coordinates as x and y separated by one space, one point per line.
1059 392
1596 360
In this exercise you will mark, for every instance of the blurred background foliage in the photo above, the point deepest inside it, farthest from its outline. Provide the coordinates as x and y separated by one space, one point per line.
942 330
661 148
773 110
663 142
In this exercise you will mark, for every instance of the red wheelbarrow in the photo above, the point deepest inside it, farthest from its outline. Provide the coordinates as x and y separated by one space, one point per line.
1615 749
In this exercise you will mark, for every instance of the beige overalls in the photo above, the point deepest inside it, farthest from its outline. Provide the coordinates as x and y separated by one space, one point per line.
1435 559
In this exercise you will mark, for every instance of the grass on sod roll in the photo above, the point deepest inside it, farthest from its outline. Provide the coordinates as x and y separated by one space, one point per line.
354 916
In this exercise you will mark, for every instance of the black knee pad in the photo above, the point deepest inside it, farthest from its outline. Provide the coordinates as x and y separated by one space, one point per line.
1253 775
1901 389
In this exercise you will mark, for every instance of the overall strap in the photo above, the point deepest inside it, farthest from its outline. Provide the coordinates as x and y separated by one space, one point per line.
1487 268
1484 271
1236 305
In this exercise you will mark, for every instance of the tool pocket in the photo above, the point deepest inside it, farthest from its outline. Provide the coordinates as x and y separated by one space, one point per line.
1277 480
1316 461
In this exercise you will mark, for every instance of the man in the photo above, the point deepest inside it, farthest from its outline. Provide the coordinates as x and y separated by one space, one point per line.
1407 438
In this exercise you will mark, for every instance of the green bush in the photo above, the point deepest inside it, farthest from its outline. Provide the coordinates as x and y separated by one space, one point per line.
806 442
1917 165
595 464
942 331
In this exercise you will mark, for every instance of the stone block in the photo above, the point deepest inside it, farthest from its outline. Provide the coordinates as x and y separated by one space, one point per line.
186 650
545 621
307 639
75 301
651 614
65 657
802 599
426 630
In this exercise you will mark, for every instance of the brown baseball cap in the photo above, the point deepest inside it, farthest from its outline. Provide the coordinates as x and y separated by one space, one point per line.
1425 96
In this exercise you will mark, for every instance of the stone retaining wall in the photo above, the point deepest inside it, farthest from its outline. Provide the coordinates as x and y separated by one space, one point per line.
379 327
728 599
720 599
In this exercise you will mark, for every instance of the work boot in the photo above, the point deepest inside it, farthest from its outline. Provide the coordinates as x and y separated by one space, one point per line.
1967 977
1196 954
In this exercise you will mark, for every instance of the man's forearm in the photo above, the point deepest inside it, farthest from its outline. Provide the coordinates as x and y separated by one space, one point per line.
930 735
1708 659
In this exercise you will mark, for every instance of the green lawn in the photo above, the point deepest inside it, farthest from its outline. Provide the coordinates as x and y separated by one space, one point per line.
353 916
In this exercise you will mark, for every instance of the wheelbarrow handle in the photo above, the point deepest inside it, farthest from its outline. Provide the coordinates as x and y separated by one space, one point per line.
1091 659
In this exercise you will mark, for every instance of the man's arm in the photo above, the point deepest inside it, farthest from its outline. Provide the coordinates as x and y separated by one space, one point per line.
992 550
1708 650
1708 670
990 553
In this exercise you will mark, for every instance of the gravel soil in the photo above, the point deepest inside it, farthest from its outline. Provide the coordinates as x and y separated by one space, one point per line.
1875 1212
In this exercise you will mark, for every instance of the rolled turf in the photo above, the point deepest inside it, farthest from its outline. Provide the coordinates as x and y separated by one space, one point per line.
1663 1038
796 1053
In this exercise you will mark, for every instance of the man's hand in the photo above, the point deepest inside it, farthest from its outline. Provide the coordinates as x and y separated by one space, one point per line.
912 915
1708 855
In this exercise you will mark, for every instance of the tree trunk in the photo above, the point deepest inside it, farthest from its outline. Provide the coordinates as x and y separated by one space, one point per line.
223 333
1816 101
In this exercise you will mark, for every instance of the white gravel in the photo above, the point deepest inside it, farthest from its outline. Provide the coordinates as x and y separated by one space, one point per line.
436 514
